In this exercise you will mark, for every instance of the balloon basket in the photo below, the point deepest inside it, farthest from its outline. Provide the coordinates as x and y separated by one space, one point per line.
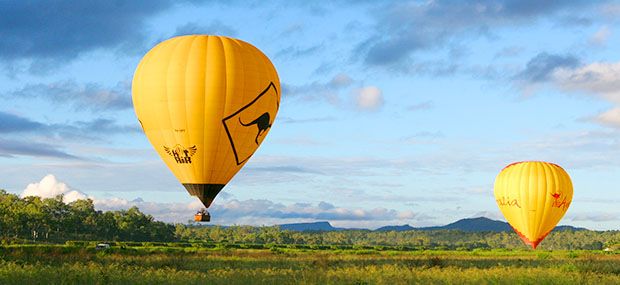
202 216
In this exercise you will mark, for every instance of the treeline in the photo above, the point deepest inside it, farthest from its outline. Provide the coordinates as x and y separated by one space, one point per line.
51 220
413 240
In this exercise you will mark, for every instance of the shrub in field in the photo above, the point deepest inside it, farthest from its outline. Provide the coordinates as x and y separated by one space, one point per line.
76 243
543 255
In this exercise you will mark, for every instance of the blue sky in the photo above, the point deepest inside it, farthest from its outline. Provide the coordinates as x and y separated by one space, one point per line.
393 112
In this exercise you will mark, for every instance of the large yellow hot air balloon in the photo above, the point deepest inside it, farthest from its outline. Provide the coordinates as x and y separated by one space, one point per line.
205 103
533 196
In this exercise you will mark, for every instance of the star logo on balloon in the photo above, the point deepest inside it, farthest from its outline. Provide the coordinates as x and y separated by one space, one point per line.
247 127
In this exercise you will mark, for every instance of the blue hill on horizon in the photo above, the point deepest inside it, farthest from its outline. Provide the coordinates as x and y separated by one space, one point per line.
479 224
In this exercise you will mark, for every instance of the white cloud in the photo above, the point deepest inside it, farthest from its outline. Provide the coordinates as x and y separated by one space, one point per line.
494 215
600 37
610 117
50 187
173 212
594 216
369 98
264 212
599 78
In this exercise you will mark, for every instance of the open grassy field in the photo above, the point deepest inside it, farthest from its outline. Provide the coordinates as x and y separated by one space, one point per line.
61 264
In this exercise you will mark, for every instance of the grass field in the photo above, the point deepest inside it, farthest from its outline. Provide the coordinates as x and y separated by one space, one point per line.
61 264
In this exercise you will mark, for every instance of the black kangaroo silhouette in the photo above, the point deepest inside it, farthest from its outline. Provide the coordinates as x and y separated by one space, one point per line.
262 122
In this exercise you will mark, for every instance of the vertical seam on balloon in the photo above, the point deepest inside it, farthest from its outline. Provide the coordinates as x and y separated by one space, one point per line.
523 195
531 173
508 181
184 55
558 183
547 169
548 172
187 101
162 118
225 94
206 157
537 171
172 53
517 175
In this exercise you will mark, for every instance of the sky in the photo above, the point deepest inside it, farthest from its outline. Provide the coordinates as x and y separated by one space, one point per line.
392 112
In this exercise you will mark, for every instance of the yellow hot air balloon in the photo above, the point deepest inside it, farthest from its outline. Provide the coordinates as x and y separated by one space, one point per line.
205 103
533 196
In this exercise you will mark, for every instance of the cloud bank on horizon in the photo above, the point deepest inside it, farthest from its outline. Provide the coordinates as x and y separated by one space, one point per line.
393 112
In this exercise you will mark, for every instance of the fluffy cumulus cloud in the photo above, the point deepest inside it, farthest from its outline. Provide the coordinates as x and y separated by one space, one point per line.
568 74
50 187
230 211
599 78
262 212
610 118
368 98
258 212
167 212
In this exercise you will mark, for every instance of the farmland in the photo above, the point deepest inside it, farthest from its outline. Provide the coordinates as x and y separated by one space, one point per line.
220 264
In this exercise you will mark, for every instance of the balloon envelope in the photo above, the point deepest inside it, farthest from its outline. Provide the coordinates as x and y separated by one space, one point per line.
205 103
533 196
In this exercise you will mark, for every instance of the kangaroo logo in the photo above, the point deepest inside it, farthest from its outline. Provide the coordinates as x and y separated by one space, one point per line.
261 122
239 126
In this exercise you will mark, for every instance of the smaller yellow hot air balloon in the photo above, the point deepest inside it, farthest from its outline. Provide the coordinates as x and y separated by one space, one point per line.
533 196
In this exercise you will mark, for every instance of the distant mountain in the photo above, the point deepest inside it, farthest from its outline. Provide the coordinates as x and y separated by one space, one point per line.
316 226
480 224
569 228
395 228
